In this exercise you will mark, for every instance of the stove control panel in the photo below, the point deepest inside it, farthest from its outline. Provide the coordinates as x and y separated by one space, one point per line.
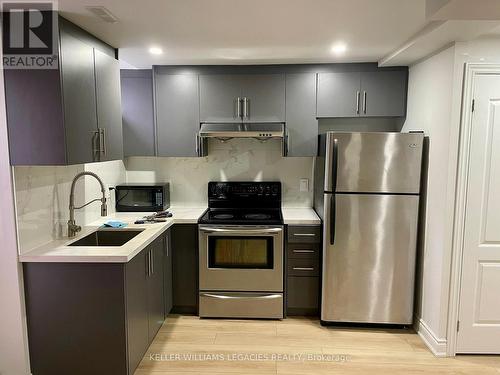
236 194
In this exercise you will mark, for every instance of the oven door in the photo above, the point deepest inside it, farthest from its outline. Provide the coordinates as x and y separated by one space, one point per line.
241 258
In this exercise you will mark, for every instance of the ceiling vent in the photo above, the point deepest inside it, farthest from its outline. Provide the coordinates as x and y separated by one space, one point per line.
103 13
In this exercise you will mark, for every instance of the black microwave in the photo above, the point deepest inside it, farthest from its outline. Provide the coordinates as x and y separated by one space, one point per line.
142 198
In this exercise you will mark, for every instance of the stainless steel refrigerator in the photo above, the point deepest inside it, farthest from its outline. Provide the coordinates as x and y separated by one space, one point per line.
367 193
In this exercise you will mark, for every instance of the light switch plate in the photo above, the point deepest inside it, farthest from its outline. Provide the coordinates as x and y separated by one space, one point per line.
304 184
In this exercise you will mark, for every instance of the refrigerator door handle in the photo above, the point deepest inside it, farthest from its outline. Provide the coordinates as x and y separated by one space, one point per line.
335 165
333 215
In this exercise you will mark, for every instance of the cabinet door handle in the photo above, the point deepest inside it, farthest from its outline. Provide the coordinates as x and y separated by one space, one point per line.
357 102
102 141
152 262
238 107
304 234
246 108
303 268
96 138
303 251
148 267
364 102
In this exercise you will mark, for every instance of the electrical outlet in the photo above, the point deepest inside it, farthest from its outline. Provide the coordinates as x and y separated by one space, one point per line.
304 184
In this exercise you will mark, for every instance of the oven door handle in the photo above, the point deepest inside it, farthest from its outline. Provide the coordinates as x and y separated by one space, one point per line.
241 231
242 296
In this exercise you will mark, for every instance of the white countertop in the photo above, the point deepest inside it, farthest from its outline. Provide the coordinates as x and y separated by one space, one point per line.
59 251
300 216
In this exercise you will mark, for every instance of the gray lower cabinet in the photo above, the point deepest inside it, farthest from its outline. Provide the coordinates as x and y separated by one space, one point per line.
156 293
167 273
380 93
185 268
301 122
137 316
67 106
303 270
177 114
100 317
137 112
242 97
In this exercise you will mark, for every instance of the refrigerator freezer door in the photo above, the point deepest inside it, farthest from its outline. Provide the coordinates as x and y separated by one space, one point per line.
369 271
374 162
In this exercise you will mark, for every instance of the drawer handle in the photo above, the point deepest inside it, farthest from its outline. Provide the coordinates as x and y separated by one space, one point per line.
303 268
304 234
303 251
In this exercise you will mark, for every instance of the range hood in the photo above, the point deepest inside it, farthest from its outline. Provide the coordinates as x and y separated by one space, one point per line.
227 131
261 131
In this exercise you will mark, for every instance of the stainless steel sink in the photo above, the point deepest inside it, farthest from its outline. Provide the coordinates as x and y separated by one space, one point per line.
107 237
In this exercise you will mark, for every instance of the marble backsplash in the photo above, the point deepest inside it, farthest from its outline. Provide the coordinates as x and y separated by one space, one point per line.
235 160
42 193
42 199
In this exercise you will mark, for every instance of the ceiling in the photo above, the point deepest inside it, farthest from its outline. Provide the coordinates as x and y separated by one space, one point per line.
251 31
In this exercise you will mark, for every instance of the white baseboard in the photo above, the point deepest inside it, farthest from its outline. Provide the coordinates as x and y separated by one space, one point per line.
437 346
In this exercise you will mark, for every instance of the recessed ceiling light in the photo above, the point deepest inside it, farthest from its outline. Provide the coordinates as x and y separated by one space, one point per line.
155 50
339 48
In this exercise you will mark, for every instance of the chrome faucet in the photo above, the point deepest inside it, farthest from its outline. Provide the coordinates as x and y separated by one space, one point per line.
73 229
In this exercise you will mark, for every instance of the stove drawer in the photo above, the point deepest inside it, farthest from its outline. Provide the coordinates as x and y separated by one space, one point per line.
241 305
303 267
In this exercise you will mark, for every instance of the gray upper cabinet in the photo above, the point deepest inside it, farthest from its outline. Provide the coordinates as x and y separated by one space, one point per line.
219 98
338 94
78 87
242 98
365 94
72 109
383 93
301 122
263 98
177 114
137 112
109 109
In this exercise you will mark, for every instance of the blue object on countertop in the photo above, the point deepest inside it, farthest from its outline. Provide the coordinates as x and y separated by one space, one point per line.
115 224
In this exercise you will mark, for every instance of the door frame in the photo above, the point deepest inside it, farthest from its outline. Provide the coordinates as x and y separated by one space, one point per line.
472 70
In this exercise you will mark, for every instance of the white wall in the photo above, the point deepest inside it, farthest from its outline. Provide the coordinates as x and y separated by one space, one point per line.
13 338
430 89
237 160
434 105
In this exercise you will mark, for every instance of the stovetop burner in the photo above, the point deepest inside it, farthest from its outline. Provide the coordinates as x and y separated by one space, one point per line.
257 216
222 216
240 203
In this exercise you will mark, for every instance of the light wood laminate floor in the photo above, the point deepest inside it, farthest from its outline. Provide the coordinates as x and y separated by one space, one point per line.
189 345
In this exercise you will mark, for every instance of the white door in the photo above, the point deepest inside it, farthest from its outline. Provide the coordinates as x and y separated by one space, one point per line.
479 312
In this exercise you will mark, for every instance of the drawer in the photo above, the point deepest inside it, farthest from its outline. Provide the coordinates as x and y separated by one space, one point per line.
241 305
303 267
304 234
302 295
303 251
